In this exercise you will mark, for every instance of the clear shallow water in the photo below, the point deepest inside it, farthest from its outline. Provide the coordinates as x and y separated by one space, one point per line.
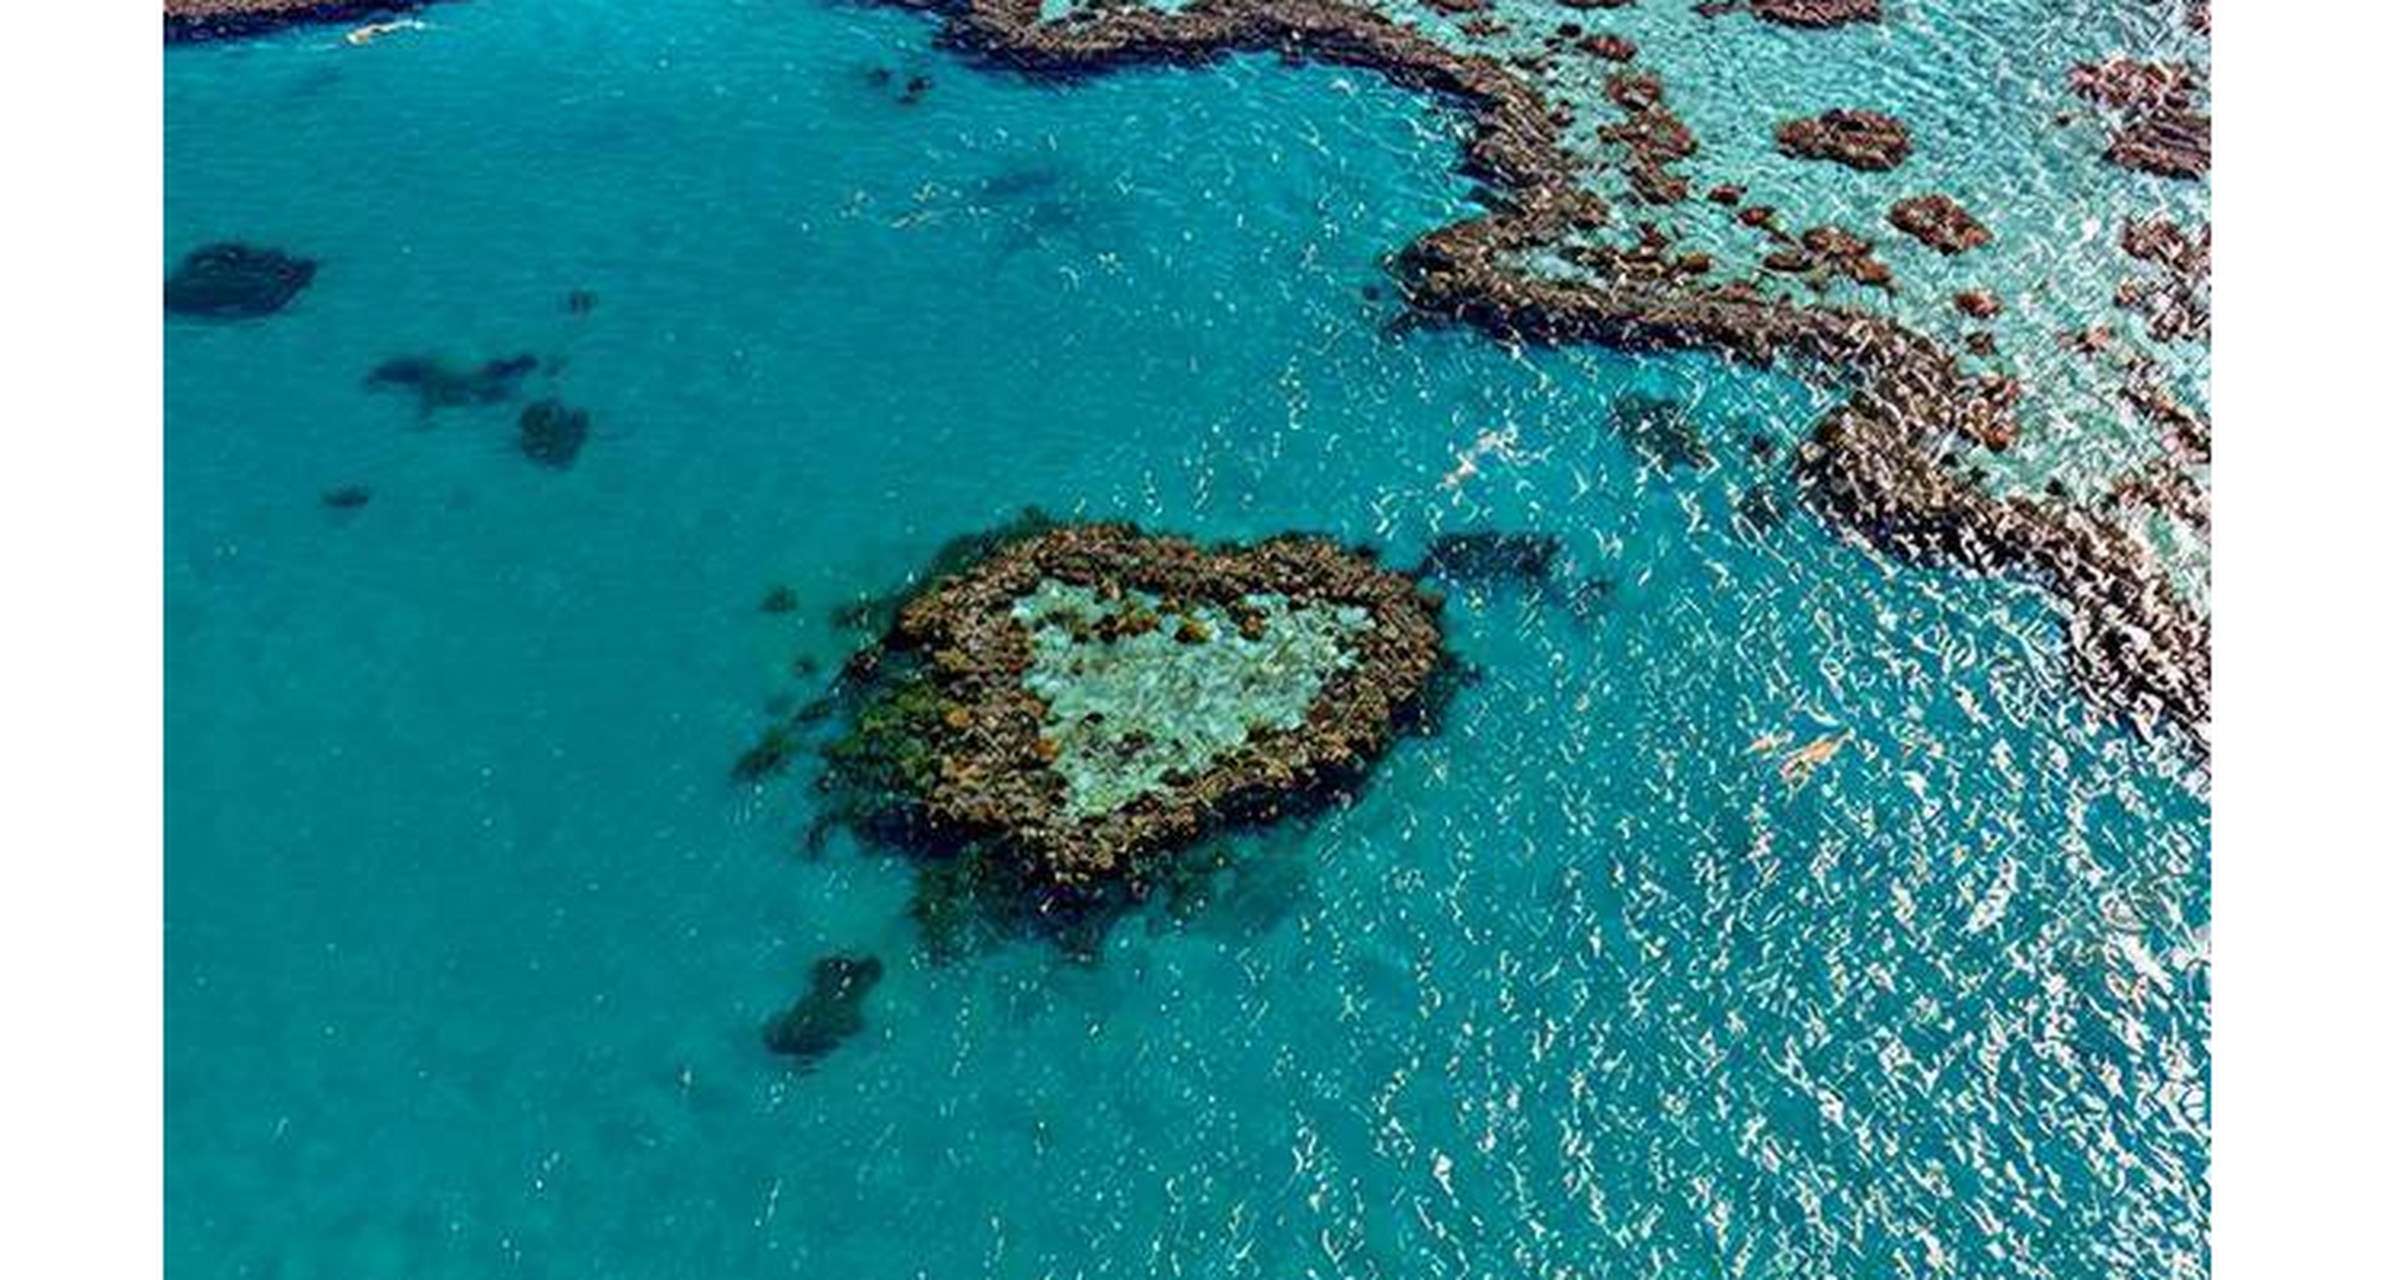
469 938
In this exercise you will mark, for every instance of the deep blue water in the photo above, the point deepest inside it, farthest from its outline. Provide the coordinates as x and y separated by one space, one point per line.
469 937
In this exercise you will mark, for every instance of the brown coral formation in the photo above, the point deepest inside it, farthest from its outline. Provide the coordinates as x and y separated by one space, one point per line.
1876 465
2158 130
2183 433
2174 299
1869 141
1653 137
1982 304
1824 252
2171 144
1612 47
989 778
1816 13
2130 84
1941 223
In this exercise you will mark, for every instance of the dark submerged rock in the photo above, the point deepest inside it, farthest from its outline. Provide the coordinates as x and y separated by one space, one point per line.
1760 510
768 756
552 433
439 384
1586 598
1663 431
1485 556
832 1011
779 599
230 281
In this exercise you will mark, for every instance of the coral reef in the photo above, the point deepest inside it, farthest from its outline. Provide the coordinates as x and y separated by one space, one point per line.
2175 299
439 384
2171 144
551 433
1816 13
1086 697
1484 556
1653 137
832 1011
1664 432
1821 253
1869 141
1941 223
2158 129
220 19
1879 463
2129 84
236 282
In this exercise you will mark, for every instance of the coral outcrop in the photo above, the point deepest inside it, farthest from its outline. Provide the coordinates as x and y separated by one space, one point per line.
2174 299
1869 141
1085 699
1940 223
1817 13
218 19
831 1011
236 282
2158 129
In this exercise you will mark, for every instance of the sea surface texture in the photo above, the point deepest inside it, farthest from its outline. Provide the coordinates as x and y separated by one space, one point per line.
1768 906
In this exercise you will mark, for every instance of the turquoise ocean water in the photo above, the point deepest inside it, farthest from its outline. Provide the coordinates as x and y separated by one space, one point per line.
469 937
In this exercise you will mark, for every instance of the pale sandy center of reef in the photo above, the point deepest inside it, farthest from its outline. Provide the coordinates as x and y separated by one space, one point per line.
1137 694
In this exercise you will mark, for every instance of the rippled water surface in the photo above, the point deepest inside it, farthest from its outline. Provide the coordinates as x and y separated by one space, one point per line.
470 937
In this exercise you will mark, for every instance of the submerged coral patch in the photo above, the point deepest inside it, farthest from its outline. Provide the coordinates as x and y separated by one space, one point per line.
1665 432
831 1011
236 282
1481 556
550 433
439 384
